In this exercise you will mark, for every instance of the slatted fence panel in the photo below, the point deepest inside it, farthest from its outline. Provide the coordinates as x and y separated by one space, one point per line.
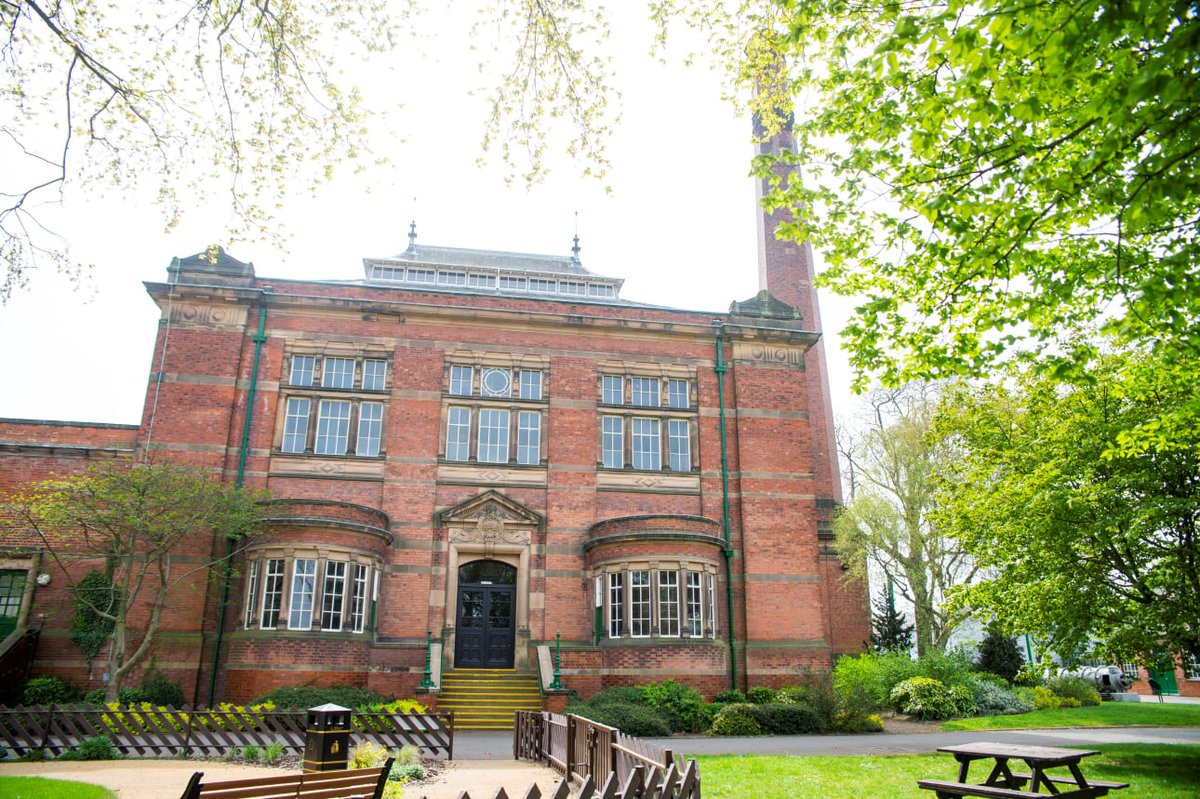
212 733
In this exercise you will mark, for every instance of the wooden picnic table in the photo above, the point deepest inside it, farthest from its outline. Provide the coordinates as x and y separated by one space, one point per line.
1002 781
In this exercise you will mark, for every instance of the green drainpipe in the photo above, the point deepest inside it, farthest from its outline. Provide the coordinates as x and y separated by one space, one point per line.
231 541
720 369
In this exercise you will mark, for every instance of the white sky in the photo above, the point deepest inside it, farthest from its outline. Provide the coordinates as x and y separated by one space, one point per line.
679 225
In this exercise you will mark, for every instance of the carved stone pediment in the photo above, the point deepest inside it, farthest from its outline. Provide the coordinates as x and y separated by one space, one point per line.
491 516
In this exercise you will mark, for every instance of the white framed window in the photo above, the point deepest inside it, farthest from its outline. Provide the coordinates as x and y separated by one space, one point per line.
300 603
477 281
508 283
612 442
1191 667
612 389
668 604
646 446
460 380
458 434
374 374
531 384
333 595
643 392
358 598
679 444
543 285
695 604
639 604
529 437
452 278
677 393
493 435
272 594
616 604
337 373
302 370
251 595
712 605
572 287
495 383
295 425
422 275
370 429
333 427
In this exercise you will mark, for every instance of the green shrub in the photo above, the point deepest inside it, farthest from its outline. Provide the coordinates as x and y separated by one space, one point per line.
863 683
408 755
158 690
992 697
33 756
779 718
760 695
252 753
1045 699
736 719
367 754
817 694
949 668
857 722
98 748
999 654
302 697
963 699
126 696
730 696
924 698
403 772
272 753
621 695
1080 689
638 720
49 691
681 705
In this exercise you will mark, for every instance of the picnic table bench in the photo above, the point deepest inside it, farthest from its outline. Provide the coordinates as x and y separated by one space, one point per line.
363 783
1004 783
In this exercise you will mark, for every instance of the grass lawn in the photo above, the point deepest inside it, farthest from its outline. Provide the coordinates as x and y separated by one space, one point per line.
1153 771
1106 714
42 788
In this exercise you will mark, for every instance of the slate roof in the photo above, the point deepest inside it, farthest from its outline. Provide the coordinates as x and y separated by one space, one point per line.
491 259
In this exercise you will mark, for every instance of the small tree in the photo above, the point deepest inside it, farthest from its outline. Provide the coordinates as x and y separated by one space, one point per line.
999 654
890 630
131 523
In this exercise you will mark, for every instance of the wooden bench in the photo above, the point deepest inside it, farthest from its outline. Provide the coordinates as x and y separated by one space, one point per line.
363 783
1109 786
949 788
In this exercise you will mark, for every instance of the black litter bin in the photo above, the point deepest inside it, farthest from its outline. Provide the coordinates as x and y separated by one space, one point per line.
327 739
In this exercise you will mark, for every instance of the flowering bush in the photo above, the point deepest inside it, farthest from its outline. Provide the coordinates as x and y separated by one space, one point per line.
926 698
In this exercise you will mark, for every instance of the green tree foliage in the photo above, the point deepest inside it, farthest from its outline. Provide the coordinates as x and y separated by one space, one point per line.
1081 540
245 103
887 520
991 176
890 629
151 527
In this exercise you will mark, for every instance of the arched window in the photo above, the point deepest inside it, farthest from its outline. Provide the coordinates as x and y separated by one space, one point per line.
487 571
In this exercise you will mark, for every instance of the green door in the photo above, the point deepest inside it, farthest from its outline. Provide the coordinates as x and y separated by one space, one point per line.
12 590
1164 673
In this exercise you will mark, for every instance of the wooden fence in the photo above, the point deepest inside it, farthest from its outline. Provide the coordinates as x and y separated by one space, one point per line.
211 733
594 754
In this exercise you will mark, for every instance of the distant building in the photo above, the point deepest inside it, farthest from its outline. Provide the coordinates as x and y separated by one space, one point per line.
493 446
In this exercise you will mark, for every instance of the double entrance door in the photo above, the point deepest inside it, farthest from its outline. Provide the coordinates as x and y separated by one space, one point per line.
485 632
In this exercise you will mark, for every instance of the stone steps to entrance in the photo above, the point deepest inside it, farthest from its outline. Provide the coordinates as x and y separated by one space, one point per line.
487 699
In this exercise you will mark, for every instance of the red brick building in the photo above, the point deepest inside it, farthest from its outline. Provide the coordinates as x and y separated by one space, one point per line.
493 446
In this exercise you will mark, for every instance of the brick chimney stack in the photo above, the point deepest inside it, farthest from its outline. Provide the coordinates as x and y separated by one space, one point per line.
786 269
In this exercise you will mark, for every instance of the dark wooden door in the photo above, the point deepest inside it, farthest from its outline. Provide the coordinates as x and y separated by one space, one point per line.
486 630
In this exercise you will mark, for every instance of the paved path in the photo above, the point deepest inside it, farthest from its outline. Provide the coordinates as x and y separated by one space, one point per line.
498 745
